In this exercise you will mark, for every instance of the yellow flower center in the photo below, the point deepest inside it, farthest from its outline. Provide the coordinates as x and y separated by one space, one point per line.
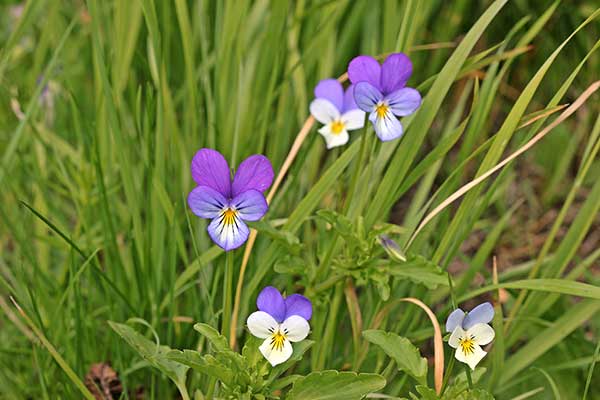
467 344
277 341
228 216
381 109
337 127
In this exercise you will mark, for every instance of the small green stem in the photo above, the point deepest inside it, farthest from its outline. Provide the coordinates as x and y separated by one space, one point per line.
364 139
469 379
227 293
183 391
447 375
331 328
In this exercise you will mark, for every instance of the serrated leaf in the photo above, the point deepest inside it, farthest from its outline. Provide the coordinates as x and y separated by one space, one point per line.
475 394
207 365
223 354
214 337
332 385
419 270
402 351
291 265
251 352
155 355
425 392
340 223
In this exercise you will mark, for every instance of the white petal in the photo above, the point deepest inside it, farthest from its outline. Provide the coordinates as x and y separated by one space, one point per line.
354 119
295 328
324 111
334 139
276 355
261 324
387 127
229 232
472 359
457 334
481 333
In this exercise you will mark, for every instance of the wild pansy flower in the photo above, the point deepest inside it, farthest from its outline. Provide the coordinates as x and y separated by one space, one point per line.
337 111
229 203
470 331
380 90
279 321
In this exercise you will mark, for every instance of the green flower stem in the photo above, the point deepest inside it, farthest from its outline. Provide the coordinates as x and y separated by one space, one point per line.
227 293
362 159
183 391
469 379
447 375
331 328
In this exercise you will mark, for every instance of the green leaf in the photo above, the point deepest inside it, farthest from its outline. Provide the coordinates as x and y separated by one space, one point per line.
214 337
334 385
340 223
221 347
251 352
402 351
207 365
475 394
548 338
545 285
419 270
426 393
155 354
455 392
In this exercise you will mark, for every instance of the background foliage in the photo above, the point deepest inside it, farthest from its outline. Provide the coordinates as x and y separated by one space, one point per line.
103 104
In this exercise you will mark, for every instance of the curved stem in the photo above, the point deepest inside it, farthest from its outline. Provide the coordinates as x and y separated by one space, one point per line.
227 293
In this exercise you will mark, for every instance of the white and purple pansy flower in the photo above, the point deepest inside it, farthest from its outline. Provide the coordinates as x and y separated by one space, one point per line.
381 91
470 331
279 321
229 203
337 111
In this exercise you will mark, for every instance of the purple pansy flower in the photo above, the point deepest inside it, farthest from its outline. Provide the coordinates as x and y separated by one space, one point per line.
337 111
279 321
470 331
229 203
380 90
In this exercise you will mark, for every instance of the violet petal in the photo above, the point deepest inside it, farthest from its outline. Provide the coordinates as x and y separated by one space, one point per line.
404 101
455 319
482 314
296 304
349 102
271 301
332 90
395 72
364 69
366 96
206 202
209 168
255 172
251 205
